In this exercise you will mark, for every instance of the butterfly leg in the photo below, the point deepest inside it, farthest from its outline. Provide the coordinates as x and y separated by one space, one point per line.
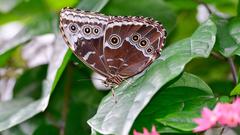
114 96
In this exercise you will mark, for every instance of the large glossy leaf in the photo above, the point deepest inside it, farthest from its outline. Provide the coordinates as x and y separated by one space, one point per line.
133 96
28 109
176 104
228 36
190 94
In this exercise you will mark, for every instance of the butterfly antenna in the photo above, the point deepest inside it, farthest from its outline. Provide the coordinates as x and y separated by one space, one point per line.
87 79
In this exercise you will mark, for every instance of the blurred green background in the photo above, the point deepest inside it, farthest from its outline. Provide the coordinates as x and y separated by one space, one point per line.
30 45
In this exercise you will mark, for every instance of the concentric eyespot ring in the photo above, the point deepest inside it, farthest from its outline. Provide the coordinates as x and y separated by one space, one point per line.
97 30
114 40
73 27
144 42
135 37
149 50
86 29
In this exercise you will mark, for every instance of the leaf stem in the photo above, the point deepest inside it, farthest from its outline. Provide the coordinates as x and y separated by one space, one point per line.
233 70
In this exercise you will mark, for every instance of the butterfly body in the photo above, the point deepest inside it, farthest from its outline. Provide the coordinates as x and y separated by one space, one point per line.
114 46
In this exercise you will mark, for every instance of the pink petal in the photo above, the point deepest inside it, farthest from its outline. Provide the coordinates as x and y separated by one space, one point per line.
206 112
237 101
236 105
154 131
199 129
203 124
145 132
136 133
209 115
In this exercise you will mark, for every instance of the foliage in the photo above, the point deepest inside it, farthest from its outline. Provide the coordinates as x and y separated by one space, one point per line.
47 90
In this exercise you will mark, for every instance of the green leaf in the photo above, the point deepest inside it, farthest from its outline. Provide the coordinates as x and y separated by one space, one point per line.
180 120
234 29
133 96
39 25
228 36
27 110
57 5
179 5
176 104
238 8
93 5
46 130
93 132
30 82
159 10
6 5
225 99
5 57
236 91
192 81
24 10
9 108
184 28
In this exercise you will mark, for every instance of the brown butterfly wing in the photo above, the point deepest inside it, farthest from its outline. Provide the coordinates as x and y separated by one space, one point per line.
88 47
129 58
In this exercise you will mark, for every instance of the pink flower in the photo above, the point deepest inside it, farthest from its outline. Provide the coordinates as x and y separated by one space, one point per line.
207 121
224 113
236 105
145 132
227 115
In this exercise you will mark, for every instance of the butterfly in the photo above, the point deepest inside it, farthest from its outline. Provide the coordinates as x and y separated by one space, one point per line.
117 47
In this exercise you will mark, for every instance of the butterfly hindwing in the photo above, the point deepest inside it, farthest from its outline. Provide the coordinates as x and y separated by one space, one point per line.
129 57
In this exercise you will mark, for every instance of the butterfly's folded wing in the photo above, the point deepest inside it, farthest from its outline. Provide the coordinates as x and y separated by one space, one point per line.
129 56
116 47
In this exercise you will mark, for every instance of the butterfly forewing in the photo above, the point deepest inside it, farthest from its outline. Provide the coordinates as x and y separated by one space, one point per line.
86 42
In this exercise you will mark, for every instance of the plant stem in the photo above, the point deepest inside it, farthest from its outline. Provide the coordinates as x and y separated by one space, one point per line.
217 56
67 88
233 70
222 130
